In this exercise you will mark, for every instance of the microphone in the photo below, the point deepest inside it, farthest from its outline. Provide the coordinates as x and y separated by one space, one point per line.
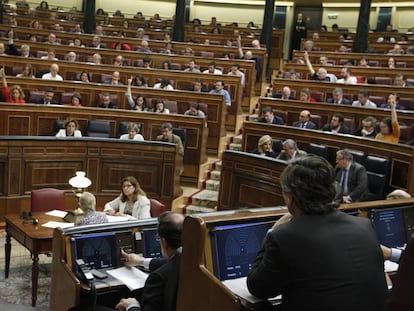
28 218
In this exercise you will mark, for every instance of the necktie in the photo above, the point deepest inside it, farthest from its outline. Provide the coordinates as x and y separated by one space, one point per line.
344 182
303 125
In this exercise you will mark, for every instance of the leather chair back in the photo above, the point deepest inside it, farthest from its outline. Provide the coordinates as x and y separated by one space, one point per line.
47 199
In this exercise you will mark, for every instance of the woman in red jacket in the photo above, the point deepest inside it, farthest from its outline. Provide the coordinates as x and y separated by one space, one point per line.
13 94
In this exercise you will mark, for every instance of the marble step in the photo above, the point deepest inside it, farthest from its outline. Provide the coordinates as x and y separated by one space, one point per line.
205 198
238 139
213 185
215 175
235 147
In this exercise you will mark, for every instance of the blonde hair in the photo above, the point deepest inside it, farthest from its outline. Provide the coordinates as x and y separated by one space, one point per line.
262 140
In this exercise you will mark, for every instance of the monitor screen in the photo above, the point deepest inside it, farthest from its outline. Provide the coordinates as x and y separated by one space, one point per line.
390 226
98 251
151 245
235 247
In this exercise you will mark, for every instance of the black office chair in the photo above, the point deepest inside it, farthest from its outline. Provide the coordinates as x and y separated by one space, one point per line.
99 128
319 150
378 177
59 124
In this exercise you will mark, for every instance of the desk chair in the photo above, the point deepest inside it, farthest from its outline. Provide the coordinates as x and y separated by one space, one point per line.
47 199
157 208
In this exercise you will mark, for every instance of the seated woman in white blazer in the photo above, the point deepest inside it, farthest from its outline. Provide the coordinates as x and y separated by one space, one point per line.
132 201
70 128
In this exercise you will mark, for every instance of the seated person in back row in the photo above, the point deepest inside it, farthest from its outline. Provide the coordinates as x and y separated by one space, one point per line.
367 129
338 98
269 117
393 98
195 111
286 94
363 100
87 203
107 102
70 128
304 121
168 136
47 98
336 125
132 133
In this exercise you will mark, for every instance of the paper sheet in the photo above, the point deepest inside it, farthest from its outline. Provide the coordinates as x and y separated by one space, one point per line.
57 213
390 266
119 218
239 288
132 277
56 224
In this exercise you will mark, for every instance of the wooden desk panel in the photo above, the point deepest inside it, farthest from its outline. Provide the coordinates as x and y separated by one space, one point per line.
400 156
152 75
21 124
249 180
29 163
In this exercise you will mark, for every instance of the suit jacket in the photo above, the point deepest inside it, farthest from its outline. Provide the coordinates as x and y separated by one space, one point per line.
321 262
276 120
344 101
41 101
175 139
309 125
284 157
357 181
14 51
279 95
343 129
160 290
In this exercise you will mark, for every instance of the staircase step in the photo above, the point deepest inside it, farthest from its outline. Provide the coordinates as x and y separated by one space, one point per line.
217 166
213 185
205 198
215 175
235 147
238 139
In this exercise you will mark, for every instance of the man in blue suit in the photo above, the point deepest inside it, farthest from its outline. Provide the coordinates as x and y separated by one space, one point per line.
337 97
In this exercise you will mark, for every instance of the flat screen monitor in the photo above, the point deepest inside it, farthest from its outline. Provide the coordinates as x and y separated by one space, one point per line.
235 247
393 226
98 251
151 243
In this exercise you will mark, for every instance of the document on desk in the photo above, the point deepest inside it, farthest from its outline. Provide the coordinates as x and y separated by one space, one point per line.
390 266
119 218
239 288
57 224
57 213
132 277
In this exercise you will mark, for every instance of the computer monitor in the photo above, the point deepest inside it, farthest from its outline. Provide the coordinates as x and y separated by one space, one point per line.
151 243
98 250
235 247
394 225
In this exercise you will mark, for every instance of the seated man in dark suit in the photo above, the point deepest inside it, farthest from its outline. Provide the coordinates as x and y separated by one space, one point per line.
336 125
285 94
106 102
160 290
368 128
393 98
24 49
304 259
304 121
290 151
269 117
47 98
338 98
351 177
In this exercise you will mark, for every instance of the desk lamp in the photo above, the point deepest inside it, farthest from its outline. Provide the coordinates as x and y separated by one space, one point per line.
79 183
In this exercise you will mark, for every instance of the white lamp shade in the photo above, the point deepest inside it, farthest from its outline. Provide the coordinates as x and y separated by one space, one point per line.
80 181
